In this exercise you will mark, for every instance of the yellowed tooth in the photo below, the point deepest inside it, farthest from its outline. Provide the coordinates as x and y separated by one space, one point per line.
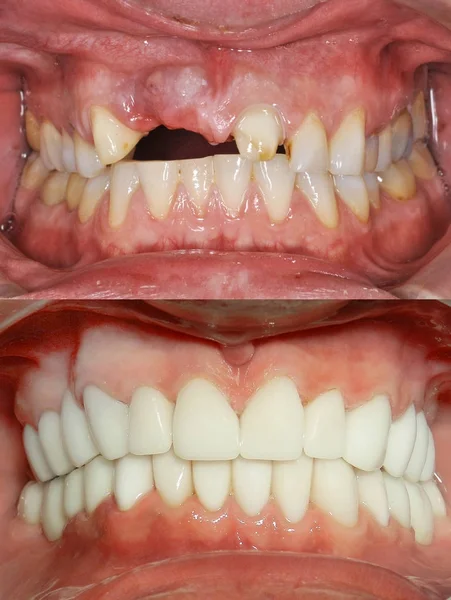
372 187
421 162
419 121
92 194
198 176
159 180
371 153
258 132
54 189
74 193
347 146
86 158
401 136
353 192
124 183
276 182
384 154
319 189
113 140
34 173
68 153
398 181
52 145
232 175
33 131
307 149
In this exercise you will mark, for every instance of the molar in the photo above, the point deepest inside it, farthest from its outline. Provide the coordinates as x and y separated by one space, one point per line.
419 121
398 181
307 149
30 503
34 173
419 454
421 162
421 515
124 183
159 180
435 498
347 146
32 131
112 139
53 191
232 176
276 182
401 136
429 466
319 190
258 132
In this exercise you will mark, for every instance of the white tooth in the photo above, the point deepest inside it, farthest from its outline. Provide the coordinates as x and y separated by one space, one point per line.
159 180
398 181
133 479
173 478
401 440
419 117
113 140
30 503
205 426
35 454
307 148
74 493
34 173
53 191
108 419
319 189
124 183
276 182
419 454
50 434
74 192
421 162
150 422
76 436
367 430
429 466
401 135
51 146
334 490
198 176
33 131
272 423
86 159
347 146
232 176
398 500
68 153
325 426
92 194
384 156
435 498
53 518
372 188
353 192
373 495
99 481
258 132
251 484
291 481
422 518
371 153
212 482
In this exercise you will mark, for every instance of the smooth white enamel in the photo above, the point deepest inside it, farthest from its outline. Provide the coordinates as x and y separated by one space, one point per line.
384 155
30 503
325 426
401 136
197 175
334 490
398 181
435 498
400 443
371 153
77 438
124 183
159 180
429 466
50 434
113 140
353 192
33 131
92 194
347 146
308 147
205 426
232 176
86 158
99 480
398 499
150 422
372 189
420 449
108 420
53 519
74 192
367 428
51 146
68 153
421 515
258 132
251 481
173 478
419 121
272 423
74 493
212 483
276 182
291 481
133 479
34 173
319 189
35 454
373 495
53 191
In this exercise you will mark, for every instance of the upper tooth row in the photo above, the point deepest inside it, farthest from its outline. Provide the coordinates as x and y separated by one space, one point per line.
201 425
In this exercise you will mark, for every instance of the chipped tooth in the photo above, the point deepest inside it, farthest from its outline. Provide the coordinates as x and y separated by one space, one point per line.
384 153
99 480
347 146
421 162
429 466
113 140
398 500
53 191
77 438
419 453
124 183
159 180
319 189
251 484
276 182
371 153
353 192
232 176
258 132
197 175
53 517
419 121
205 426
35 454
212 482
92 194
86 159
74 493
373 495
173 478
398 181
74 192
334 490
51 437
51 146
30 503
307 149
68 153
421 515
34 173
325 425
32 131
133 479
291 482
435 498
401 135
150 422
400 443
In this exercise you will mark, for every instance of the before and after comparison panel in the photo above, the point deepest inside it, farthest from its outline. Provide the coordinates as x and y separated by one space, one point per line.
225 300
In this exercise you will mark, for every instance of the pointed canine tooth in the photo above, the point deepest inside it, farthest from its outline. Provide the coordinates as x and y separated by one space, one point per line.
400 443
429 466
113 140
347 146
419 454
212 482
251 481
367 430
150 422
291 481
401 135
435 498
258 132
74 192
421 162
99 481
35 454
353 192
272 423
334 490
307 148
398 499
398 181
159 180
371 153
86 159
372 189
205 426
133 479
197 175
68 153
51 146
232 176
421 515
76 436
276 182
53 191
384 155
53 518
92 194
33 131
30 503
319 189
51 437
74 493
124 183
108 419
419 117
325 426
173 478
34 173
373 495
